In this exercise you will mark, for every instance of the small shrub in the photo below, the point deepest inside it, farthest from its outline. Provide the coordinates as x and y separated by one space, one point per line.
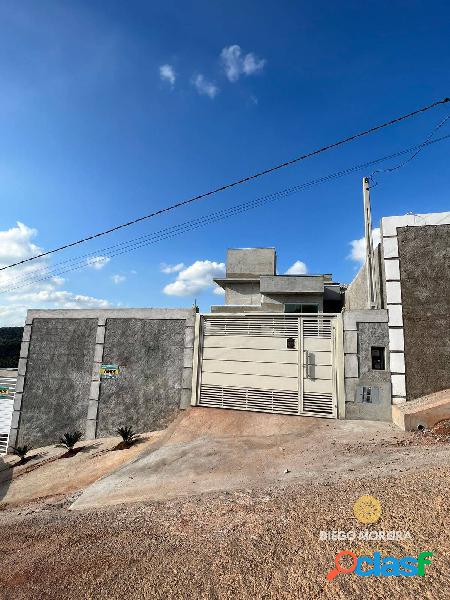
22 451
69 440
128 436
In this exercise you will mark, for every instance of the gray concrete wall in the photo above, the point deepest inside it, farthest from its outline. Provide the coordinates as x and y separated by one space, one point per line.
294 284
242 294
356 294
57 380
424 254
245 262
59 387
362 330
425 268
147 394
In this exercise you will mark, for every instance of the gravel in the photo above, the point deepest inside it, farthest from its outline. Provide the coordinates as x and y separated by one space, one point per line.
250 543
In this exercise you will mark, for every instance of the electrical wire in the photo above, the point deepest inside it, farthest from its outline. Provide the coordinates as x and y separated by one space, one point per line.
413 156
83 261
237 182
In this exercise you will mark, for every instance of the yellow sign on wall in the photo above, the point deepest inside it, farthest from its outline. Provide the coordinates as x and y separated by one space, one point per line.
109 371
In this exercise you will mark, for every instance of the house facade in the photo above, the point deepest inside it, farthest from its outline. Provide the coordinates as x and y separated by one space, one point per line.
290 344
252 284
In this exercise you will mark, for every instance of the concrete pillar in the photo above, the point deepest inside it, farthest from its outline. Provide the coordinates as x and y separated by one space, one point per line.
94 392
186 383
23 359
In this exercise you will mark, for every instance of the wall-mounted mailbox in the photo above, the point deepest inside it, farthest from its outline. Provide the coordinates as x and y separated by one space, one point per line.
378 360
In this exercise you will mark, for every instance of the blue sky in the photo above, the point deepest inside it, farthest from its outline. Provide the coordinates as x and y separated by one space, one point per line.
109 111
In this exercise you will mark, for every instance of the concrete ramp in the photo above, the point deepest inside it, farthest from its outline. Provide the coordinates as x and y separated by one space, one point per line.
212 449
423 412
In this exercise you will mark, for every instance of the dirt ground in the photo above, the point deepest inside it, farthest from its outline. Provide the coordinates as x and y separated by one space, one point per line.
258 541
46 473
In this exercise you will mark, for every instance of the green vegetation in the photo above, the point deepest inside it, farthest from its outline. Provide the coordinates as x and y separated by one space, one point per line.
21 452
10 340
69 440
128 436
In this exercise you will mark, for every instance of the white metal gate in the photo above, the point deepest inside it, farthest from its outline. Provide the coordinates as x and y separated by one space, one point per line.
272 363
7 390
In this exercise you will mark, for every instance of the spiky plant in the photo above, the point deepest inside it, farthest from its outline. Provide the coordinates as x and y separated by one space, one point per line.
127 434
70 438
22 451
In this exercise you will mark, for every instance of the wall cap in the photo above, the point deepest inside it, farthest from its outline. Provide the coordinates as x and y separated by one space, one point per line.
110 313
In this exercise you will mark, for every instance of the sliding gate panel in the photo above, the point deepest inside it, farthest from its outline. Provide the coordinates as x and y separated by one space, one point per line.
271 363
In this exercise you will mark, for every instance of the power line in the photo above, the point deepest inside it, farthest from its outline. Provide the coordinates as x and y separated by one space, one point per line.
124 247
413 156
187 226
237 182
106 250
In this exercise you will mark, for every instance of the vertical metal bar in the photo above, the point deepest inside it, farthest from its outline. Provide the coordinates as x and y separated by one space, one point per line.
300 365
371 303
196 360
334 391
200 358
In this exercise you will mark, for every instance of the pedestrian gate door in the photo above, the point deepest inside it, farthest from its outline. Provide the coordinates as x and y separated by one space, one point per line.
272 363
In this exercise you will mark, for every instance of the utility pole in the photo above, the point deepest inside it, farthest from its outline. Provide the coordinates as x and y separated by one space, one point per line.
371 296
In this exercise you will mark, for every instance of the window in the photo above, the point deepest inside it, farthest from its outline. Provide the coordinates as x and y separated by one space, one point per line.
378 363
301 308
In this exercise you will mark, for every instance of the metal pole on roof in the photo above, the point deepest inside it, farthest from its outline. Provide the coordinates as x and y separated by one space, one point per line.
371 297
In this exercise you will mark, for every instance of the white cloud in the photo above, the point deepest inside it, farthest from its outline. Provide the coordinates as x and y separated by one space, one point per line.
298 268
15 244
236 65
165 268
195 279
358 251
97 262
218 291
205 87
118 278
35 291
167 73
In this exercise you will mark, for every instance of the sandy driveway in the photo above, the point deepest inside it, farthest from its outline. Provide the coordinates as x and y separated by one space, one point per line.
213 450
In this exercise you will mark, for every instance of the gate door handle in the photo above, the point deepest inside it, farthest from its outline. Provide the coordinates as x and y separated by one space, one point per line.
307 365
